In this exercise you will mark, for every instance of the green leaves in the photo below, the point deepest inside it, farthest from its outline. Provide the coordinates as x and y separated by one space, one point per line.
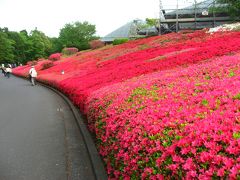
237 97
230 6
21 47
6 48
120 41
77 35
205 102
231 74
40 44
236 135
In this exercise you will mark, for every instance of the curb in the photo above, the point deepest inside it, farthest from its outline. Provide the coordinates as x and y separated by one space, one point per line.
96 162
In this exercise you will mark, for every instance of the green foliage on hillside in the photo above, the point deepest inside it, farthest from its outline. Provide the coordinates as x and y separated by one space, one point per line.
120 41
6 48
40 44
20 47
230 6
77 35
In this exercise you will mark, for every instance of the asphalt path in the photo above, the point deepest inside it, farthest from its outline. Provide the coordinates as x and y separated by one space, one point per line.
39 139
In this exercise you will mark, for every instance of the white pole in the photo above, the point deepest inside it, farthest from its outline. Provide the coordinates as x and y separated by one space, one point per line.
177 18
195 13
159 32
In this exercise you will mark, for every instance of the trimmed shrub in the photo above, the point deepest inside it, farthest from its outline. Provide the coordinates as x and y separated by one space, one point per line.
187 31
94 44
70 51
40 59
120 41
55 57
47 64
32 63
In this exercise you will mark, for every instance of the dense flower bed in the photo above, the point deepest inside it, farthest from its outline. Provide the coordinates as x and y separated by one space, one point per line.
142 62
176 123
225 27
160 107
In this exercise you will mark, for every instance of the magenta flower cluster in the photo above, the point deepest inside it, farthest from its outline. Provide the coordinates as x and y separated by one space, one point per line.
182 123
55 57
162 107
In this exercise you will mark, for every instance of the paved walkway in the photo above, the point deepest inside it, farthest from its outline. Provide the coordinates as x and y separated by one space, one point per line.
39 138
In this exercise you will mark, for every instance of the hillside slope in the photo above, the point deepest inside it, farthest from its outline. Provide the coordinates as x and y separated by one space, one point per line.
160 107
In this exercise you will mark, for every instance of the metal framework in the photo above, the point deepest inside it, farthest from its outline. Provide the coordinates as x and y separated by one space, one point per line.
195 17
161 16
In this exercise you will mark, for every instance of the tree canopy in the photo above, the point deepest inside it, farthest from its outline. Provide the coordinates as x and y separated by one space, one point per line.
230 6
40 44
77 35
6 48
20 47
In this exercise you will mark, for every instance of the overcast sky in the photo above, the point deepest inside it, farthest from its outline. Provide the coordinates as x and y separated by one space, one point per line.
49 16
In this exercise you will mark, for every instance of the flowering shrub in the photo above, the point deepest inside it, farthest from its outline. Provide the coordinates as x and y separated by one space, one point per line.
225 27
55 57
70 51
161 107
46 65
40 59
32 63
94 44
177 123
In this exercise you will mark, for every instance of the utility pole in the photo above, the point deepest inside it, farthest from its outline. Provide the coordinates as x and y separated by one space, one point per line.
214 15
177 18
195 13
161 16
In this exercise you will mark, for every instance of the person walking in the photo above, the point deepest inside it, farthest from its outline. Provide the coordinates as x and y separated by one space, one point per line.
33 75
3 69
8 71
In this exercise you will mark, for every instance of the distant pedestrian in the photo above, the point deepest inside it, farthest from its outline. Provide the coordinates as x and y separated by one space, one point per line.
3 69
33 75
8 71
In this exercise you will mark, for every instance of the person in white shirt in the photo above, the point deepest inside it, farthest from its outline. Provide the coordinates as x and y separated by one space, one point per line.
8 71
3 69
33 75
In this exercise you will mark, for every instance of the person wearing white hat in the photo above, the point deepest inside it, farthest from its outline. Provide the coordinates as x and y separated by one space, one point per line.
8 71
33 75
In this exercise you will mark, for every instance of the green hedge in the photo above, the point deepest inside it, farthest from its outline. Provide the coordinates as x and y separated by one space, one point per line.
120 41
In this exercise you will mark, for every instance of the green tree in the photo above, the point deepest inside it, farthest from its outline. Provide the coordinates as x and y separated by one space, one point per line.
77 35
230 6
27 45
56 45
6 48
40 45
152 22
21 46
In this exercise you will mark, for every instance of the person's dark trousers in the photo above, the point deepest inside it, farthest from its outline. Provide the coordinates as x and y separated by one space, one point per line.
33 81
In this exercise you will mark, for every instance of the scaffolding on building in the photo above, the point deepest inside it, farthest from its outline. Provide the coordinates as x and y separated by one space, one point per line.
197 16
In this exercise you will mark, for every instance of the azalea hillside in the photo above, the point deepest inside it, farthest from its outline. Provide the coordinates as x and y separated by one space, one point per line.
160 107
